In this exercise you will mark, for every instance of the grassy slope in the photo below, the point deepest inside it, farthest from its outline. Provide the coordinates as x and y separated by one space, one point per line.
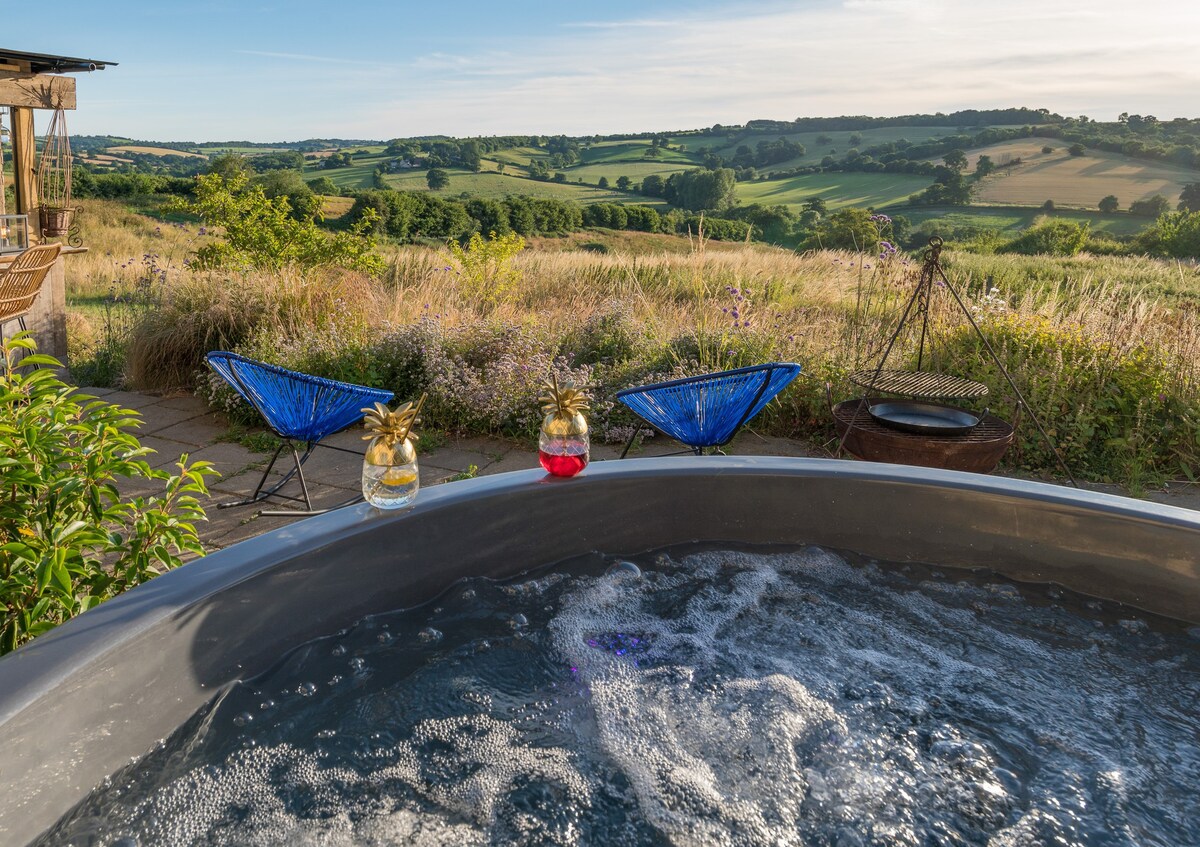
838 189
1013 219
1081 181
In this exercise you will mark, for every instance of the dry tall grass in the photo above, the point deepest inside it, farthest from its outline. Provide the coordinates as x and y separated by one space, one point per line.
831 311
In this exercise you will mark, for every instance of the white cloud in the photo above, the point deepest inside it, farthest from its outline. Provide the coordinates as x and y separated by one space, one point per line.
732 64
860 57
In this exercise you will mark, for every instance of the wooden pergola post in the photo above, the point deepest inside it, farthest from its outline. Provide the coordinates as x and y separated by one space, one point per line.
24 167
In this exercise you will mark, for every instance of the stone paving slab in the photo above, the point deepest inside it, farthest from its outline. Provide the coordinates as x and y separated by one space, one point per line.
166 453
186 402
181 423
198 431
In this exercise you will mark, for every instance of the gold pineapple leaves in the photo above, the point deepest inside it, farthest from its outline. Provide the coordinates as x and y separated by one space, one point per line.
565 400
392 426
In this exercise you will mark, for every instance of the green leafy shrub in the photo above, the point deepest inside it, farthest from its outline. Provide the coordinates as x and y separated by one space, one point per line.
68 541
1175 234
1115 413
486 272
261 232
1050 238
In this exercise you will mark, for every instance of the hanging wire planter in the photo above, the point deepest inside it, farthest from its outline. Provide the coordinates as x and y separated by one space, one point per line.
54 179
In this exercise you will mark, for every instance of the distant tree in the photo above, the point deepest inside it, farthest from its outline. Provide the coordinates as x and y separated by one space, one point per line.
816 204
1150 207
956 160
1047 149
1189 198
1048 206
560 177
824 139
602 182
1109 204
701 189
323 185
341 159
500 167
984 166
437 178
652 153
654 186
623 183
290 185
1077 149
228 166
828 162
854 140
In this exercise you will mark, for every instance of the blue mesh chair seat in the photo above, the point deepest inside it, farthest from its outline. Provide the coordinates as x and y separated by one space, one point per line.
299 408
705 412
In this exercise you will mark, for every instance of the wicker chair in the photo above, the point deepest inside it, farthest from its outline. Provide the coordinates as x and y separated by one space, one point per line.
299 408
21 283
705 412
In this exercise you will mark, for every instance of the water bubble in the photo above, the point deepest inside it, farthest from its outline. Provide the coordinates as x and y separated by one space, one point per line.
357 665
1135 626
518 620
384 638
266 704
243 719
627 570
429 635
307 689
339 650
326 733
469 594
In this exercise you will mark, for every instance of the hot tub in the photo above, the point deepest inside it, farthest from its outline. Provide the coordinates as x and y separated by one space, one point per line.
82 701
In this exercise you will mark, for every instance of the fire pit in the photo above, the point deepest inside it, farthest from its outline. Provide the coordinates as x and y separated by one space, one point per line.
978 450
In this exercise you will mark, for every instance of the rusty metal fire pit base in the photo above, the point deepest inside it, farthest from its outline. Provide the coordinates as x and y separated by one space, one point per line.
978 451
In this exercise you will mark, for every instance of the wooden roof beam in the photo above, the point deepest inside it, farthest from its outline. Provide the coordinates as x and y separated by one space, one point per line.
37 91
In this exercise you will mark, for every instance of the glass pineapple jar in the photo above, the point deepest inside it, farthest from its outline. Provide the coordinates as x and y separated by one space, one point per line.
390 478
563 444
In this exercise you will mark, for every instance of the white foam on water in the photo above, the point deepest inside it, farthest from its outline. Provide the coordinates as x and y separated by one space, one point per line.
734 699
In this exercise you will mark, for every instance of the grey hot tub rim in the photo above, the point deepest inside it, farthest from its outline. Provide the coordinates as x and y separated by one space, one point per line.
116 679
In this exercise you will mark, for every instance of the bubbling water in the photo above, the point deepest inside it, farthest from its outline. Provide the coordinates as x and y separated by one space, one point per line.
731 698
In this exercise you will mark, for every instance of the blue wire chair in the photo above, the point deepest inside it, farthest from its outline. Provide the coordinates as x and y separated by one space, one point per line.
299 408
705 412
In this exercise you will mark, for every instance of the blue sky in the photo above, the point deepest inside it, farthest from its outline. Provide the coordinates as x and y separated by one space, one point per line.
218 70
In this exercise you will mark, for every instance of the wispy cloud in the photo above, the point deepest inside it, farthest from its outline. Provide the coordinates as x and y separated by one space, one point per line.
713 64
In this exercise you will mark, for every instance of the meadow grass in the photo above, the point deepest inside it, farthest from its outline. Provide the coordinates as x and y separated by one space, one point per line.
1107 349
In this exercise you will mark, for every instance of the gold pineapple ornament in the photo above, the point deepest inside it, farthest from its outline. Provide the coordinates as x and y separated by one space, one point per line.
390 478
563 445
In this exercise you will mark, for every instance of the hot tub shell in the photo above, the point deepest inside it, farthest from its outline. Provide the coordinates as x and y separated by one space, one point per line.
78 703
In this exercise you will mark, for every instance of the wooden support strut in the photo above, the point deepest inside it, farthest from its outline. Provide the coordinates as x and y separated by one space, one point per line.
24 167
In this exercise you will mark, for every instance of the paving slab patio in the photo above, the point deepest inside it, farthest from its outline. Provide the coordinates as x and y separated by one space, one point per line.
182 423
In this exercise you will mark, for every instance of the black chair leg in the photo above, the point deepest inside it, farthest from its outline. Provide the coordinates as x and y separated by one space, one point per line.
636 431
261 493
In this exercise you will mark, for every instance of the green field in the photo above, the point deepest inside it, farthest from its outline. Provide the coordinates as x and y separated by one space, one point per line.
1013 219
490 185
837 189
630 151
636 171
726 145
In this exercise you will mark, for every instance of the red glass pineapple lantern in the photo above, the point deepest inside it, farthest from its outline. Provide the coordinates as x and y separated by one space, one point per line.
563 444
